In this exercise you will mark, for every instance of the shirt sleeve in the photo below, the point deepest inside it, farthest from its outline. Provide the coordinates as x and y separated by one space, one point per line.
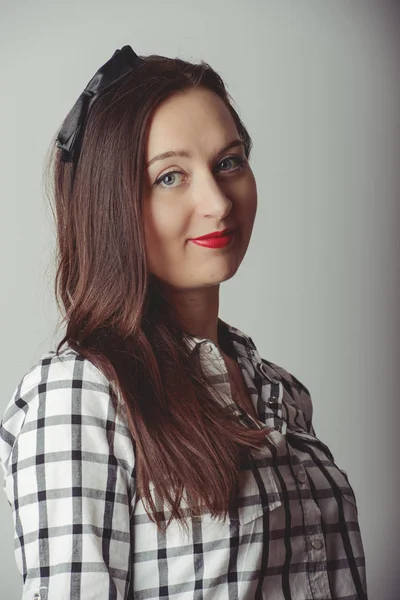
69 476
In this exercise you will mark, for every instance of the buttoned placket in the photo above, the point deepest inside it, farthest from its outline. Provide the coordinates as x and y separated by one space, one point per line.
210 364
272 393
314 539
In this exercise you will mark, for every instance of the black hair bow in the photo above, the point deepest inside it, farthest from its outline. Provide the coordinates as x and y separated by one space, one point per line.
69 138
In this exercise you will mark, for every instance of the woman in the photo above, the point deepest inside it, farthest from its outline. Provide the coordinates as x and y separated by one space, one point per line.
158 455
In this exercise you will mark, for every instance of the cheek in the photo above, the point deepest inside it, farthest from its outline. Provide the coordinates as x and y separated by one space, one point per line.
253 196
247 204
162 227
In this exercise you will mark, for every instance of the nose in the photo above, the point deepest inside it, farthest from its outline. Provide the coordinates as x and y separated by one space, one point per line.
210 198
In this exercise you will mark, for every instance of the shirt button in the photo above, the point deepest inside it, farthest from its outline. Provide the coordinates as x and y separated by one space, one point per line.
276 427
302 477
208 347
317 544
272 400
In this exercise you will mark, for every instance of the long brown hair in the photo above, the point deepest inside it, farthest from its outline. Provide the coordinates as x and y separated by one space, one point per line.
116 315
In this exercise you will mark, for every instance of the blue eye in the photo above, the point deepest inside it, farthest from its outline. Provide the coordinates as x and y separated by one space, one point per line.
163 177
241 162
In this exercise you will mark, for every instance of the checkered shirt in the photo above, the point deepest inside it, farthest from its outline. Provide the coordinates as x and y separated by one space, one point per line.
81 532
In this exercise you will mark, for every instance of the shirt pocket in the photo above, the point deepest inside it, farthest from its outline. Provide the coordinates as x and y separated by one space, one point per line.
258 492
339 477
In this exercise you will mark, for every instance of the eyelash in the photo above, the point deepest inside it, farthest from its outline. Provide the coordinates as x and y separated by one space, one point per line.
241 163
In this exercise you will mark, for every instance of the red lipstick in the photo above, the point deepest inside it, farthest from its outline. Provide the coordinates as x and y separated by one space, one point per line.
216 239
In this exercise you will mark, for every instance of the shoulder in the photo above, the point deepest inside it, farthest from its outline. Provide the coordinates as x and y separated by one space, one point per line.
287 377
295 391
271 370
69 462
62 392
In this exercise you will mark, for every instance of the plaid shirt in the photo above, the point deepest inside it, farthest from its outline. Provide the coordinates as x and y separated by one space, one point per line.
81 532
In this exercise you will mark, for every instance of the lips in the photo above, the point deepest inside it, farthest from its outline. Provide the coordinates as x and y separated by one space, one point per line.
220 241
214 234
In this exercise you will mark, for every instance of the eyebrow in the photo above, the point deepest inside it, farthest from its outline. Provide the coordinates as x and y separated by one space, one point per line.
187 154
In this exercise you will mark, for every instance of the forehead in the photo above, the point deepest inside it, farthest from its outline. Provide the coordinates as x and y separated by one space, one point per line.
195 117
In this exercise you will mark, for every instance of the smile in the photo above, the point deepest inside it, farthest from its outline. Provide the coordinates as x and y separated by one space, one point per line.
216 242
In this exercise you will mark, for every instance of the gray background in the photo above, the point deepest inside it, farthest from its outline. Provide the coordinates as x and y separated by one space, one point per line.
317 84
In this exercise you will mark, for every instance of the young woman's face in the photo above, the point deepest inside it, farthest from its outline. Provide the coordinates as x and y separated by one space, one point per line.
188 197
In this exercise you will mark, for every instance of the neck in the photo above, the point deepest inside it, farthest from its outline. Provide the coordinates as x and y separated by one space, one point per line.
196 310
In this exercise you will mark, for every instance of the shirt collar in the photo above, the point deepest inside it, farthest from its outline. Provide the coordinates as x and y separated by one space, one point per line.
240 346
228 336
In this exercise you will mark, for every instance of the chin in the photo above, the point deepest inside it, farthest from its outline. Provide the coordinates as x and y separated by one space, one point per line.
224 276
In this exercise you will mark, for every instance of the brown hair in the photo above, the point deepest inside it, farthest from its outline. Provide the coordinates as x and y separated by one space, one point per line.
115 312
